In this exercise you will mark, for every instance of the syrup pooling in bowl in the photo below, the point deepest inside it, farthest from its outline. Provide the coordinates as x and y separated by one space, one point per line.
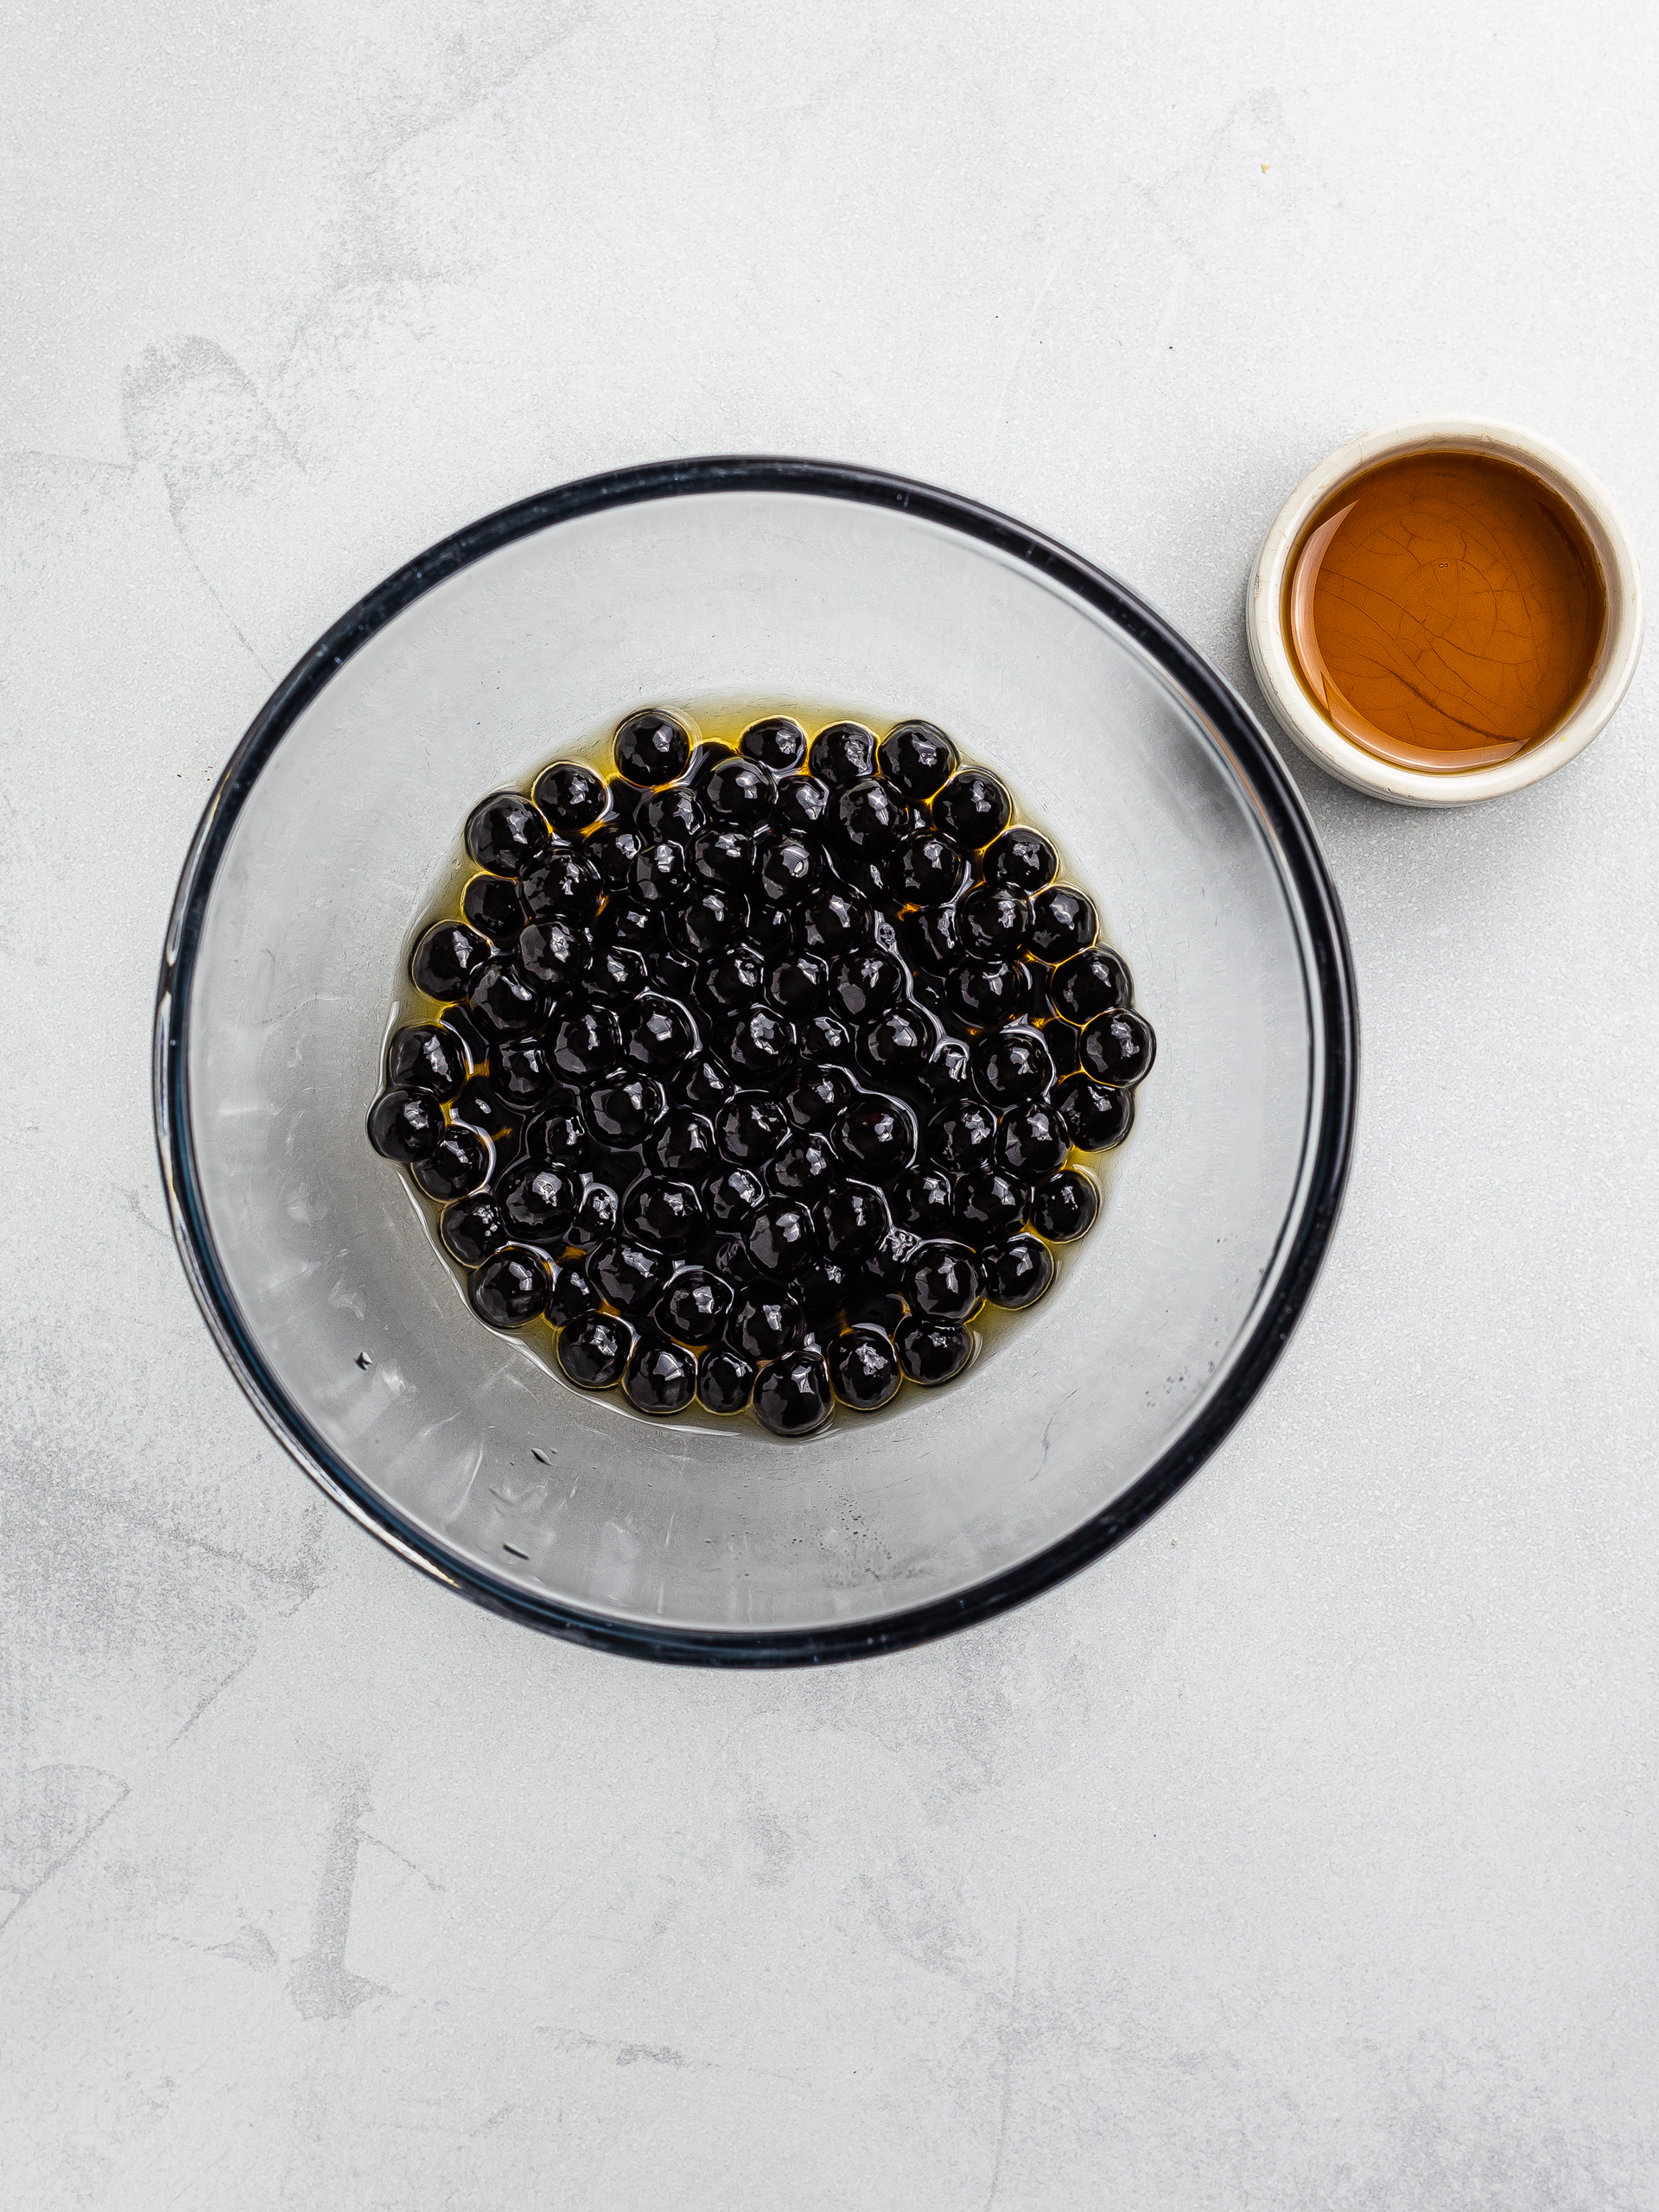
761 1071
1444 609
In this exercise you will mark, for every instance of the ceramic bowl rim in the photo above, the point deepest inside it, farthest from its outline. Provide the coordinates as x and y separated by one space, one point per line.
1329 980
1616 663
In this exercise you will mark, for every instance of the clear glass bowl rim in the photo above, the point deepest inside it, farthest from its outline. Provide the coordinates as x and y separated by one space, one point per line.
1331 1126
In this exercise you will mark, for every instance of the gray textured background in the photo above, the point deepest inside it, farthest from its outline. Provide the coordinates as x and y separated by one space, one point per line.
1300 1854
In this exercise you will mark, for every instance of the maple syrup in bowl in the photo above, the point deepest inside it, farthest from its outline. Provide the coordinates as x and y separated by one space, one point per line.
1446 612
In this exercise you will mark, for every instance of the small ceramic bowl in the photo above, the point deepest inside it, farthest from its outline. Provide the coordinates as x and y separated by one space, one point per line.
1610 679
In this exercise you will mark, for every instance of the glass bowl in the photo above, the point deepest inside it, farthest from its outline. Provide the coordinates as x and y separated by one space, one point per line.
332 830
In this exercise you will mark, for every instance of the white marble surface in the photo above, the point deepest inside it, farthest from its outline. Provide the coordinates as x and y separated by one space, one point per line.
1302 1853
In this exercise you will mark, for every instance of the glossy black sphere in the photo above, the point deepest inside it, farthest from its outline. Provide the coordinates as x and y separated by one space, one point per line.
898 1043
429 1058
566 882
446 958
862 984
624 1114
926 870
816 1098
593 1351
406 1125
672 817
511 1289
1018 1271
683 1144
870 817
559 1139
570 1296
989 1203
587 1043
1033 1140
741 793
943 1282
931 1351
1118 1047
777 743
844 754
864 1369
764 1320
800 985
924 1201
761 1044
855 1217
781 1238
725 1380
825 1037
1011 1066
694 1306
986 993
507 834
1089 983
835 923
962 1135
724 856
483 1106
712 918
703 1083
632 1275
570 796
555 952
458 1165
793 1396
1096 1119
540 1203
492 904
1020 860
658 1034
652 748
731 1197
659 1378
973 808
917 758
473 1228
805 1168
992 922
660 1211
750 1129
661 875
1064 1206
611 851
506 1000
596 1216
879 1134
789 869
802 803
1062 922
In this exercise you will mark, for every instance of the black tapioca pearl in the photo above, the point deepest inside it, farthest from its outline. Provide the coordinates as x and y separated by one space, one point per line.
864 1369
1011 1066
762 1044
628 921
406 1125
660 1211
1119 1047
482 1105
729 1258
765 1320
741 791
973 808
792 1396
673 817
565 882
927 870
950 1069
1063 922
799 986
1017 1271
844 754
1090 982
586 1044
856 1217
725 1380
777 743
989 1203
724 856
559 1139
881 1271
898 1043
1020 860
714 918
837 923
492 904
782 1238
658 1034
695 1305
927 938
683 1146
624 1114
802 803
1095 1118
942 1281
824 1291
816 1098
737 977
862 984
507 834
790 869
825 1037
427 1059
879 1309
633 1275
595 1216
660 1378
511 1289
555 952
1034 1140
458 1164
931 1351
473 1228
992 922
750 1129
594 1351
919 758
705 1083
571 796
447 958
1064 1206
962 1135
661 875
1065 1044
611 851
805 1168
570 1296
924 1202
870 818
879 1133
524 1071
506 1000
732 1195
652 748
987 993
